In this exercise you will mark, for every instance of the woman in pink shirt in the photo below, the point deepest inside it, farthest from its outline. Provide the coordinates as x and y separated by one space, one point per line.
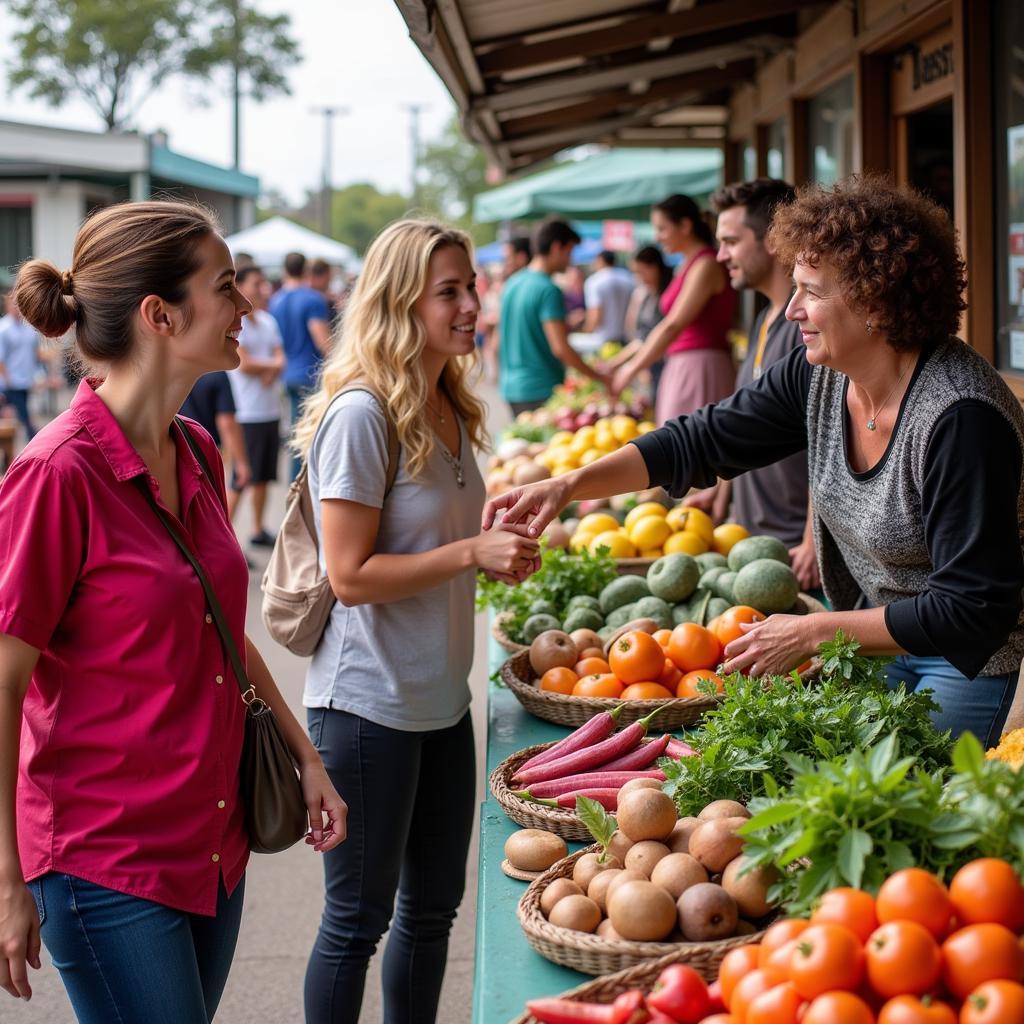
123 813
698 305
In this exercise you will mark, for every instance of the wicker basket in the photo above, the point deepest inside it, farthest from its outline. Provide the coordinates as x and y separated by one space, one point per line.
591 954
633 566
560 820
607 988
565 709
503 639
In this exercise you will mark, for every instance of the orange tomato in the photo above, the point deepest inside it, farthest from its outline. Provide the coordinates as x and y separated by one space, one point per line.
995 1002
662 636
602 685
779 1005
646 691
915 1010
850 907
689 683
752 985
720 1018
827 957
636 657
914 894
980 953
559 680
838 1008
693 646
903 958
988 890
670 676
591 667
736 964
727 625
778 935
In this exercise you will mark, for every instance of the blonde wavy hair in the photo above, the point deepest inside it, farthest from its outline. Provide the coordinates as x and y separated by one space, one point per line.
380 341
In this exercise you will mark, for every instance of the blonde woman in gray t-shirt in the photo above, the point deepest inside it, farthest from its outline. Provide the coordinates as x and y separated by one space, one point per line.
387 690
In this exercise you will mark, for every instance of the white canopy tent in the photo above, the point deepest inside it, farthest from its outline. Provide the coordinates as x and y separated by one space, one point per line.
268 244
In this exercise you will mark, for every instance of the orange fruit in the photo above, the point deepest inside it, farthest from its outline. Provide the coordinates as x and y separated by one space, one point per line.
603 685
693 647
726 535
727 625
689 683
646 691
591 666
663 636
636 657
558 680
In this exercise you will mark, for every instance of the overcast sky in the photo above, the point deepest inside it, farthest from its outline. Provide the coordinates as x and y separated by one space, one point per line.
356 53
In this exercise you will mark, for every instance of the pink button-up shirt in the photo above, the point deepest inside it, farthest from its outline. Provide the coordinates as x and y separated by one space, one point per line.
133 721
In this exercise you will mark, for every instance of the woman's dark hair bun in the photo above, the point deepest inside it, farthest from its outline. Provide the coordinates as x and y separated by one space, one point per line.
39 293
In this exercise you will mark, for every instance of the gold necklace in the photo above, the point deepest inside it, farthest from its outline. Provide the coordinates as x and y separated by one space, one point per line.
871 422
439 415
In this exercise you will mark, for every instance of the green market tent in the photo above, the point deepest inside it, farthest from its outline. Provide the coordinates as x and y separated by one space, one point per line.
621 184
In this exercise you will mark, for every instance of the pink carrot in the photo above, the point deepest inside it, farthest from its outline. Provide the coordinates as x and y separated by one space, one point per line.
644 755
589 757
607 798
677 749
592 731
590 780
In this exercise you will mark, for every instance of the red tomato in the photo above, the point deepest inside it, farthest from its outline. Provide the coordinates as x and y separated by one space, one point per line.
828 957
914 894
988 890
681 993
994 1002
852 908
980 953
903 958
778 935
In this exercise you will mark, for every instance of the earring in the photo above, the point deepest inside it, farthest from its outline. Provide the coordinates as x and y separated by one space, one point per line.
868 327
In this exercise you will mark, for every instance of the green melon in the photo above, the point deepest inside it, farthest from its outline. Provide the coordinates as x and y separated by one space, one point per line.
707 580
752 548
543 607
654 608
620 616
711 560
537 624
583 618
584 601
722 586
767 585
674 577
624 590
716 606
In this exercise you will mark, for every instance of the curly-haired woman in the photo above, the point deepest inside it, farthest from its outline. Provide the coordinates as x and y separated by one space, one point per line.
914 447
387 692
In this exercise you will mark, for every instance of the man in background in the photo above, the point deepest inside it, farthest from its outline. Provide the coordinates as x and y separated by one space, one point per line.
534 348
321 273
607 293
19 361
518 253
303 317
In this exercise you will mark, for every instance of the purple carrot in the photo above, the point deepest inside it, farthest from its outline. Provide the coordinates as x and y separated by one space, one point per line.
644 755
592 731
607 798
589 757
591 780
677 749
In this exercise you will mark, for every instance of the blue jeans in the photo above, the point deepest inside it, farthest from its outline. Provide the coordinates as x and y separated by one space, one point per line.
410 799
128 960
976 705
18 399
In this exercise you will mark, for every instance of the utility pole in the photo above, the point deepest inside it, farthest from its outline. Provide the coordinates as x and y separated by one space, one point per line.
414 110
236 28
325 181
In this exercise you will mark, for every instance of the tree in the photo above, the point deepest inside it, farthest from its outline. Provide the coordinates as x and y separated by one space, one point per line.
358 212
113 56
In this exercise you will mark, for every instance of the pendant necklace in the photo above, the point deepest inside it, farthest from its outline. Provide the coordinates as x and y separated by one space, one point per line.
456 464
871 422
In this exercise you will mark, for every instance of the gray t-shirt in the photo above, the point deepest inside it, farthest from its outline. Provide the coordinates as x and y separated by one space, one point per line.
404 664
611 288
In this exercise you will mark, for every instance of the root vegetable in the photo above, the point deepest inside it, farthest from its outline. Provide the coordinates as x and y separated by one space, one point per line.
606 931
706 912
607 798
576 912
677 749
645 855
750 890
641 911
598 888
593 731
639 783
647 814
679 840
723 809
557 890
552 649
626 875
714 843
677 872
592 780
533 849
619 845
589 865
644 755
587 640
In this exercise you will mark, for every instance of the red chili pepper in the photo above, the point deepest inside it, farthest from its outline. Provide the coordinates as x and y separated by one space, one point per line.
592 731
607 798
587 780
677 749
681 993
567 1011
645 754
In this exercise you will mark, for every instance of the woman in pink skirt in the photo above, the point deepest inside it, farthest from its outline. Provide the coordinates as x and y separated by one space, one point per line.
698 307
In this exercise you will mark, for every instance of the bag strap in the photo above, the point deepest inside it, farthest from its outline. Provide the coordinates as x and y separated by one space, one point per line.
246 688
392 434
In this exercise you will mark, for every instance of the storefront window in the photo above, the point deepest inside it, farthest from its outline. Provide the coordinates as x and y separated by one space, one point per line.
1009 157
830 132
749 162
777 148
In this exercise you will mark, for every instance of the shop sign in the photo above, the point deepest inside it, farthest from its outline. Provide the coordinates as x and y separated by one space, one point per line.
618 235
923 72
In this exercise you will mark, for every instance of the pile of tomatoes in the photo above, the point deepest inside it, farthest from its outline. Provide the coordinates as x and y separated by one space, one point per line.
918 953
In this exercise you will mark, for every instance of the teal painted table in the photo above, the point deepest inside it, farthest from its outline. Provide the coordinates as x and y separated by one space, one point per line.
508 971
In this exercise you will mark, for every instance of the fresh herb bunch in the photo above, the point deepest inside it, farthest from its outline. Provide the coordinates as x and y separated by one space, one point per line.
532 432
562 575
762 722
598 822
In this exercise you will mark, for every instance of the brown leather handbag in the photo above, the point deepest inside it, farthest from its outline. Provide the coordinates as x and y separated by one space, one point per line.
275 811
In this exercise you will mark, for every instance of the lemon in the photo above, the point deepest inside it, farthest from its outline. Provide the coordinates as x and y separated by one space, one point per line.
560 468
624 428
685 542
598 522
591 455
726 535
580 539
582 440
646 427
560 437
606 443
645 508
651 552
650 532
618 545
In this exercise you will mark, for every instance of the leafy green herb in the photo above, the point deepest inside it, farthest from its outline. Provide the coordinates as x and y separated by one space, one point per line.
599 823
840 660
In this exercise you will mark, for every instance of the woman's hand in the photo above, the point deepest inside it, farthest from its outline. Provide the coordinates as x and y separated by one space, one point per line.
623 377
775 645
322 799
531 507
804 561
506 552
19 938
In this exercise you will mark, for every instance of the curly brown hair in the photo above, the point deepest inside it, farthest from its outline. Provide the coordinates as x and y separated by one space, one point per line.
893 250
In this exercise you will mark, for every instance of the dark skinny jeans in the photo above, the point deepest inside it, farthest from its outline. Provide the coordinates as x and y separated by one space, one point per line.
410 799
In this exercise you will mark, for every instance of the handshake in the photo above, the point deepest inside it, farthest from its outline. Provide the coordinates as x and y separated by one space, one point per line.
506 552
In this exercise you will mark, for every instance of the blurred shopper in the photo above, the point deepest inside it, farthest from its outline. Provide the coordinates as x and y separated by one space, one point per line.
574 291
19 362
773 499
387 689
698 307
304 318
518 253
321 276
128 825
607 293
534 349
256 389
653 275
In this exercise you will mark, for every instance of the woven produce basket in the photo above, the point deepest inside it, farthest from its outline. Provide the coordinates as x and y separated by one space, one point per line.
560 820
633 566
591 954
563 709
503 639
608 987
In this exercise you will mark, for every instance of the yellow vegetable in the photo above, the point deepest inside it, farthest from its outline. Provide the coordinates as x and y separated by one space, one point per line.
1010 749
